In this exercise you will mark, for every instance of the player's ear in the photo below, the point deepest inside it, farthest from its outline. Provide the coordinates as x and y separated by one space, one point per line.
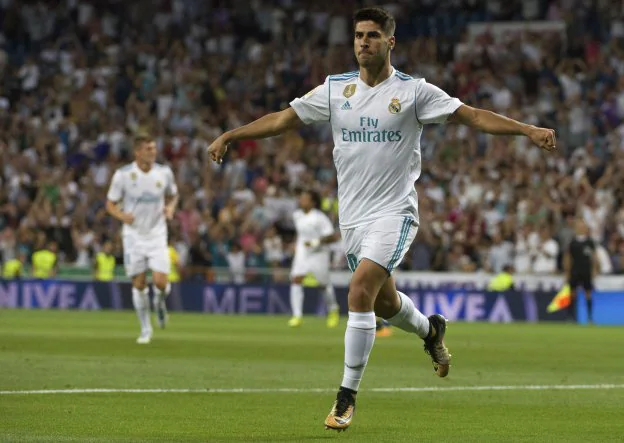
391 42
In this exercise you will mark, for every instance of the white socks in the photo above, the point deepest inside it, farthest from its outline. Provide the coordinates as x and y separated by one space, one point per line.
160 296
296 300
359 340
330 298
141 306
409 318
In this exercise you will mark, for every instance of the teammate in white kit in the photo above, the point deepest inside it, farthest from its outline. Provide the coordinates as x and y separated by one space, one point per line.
143 196
314 232
377 116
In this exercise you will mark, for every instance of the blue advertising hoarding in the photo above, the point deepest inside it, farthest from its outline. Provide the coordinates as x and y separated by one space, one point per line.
456 305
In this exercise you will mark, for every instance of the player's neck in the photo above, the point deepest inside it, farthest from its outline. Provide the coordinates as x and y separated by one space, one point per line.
374 75
145 167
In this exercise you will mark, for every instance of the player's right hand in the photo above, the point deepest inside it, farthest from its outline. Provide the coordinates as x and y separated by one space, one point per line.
127 218
217 149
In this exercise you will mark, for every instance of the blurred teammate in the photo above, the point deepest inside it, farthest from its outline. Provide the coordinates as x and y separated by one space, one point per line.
377 115
312 256
143 196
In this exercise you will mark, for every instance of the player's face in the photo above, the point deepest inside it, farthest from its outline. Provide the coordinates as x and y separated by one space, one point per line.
371 45
146 153
305 201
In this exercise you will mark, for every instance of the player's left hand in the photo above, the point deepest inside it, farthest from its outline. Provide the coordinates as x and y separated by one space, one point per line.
169 212
217 149
544 138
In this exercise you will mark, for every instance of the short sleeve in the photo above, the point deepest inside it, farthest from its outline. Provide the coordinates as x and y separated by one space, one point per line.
115 191
172 188
327 228
314 106
433 105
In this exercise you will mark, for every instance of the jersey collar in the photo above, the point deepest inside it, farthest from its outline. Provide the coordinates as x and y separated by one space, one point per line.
366 87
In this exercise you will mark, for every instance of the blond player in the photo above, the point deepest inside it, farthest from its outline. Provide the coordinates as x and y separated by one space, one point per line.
377 115
312 257
143 196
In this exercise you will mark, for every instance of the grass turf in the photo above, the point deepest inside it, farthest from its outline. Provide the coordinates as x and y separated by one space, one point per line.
83 350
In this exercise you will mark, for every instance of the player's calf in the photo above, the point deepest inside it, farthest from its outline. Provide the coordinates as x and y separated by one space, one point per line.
162 288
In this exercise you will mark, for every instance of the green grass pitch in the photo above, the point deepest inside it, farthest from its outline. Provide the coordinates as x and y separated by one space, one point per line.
50 350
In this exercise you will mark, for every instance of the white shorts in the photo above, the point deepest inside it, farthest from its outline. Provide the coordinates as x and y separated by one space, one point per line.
317 266
385 241
141 254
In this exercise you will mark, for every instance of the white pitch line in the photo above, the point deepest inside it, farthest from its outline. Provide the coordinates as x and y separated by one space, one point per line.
314 390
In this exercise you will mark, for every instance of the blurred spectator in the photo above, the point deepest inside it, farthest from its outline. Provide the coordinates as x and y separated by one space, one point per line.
104 263
78 77
500 255
175 275
45 260
236 263
14 268
547 251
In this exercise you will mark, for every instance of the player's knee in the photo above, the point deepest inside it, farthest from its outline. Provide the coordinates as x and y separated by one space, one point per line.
139 282
141 285
160 281
361 296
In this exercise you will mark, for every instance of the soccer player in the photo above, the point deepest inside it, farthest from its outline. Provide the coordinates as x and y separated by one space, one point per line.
314 232
143 196
377 115
580 264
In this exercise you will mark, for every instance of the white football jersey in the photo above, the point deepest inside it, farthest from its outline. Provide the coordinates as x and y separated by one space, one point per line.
376 133
143 195
311 226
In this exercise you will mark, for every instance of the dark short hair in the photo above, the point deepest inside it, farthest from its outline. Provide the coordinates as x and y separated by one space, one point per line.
315 196
378 15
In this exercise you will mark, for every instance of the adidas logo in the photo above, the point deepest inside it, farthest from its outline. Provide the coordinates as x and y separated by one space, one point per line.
346 106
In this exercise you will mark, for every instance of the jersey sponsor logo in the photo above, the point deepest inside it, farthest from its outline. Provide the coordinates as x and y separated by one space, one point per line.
148 197
349 90
395 106
370 136
370 132
346 106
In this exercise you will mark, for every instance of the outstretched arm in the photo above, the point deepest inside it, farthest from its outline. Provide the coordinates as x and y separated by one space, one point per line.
271 124
492 123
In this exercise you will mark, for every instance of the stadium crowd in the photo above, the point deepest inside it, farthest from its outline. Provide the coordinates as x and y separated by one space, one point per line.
79 77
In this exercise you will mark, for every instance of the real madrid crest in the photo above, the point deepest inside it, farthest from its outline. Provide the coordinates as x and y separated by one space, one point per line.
395 106
133 176
158 184
349 90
